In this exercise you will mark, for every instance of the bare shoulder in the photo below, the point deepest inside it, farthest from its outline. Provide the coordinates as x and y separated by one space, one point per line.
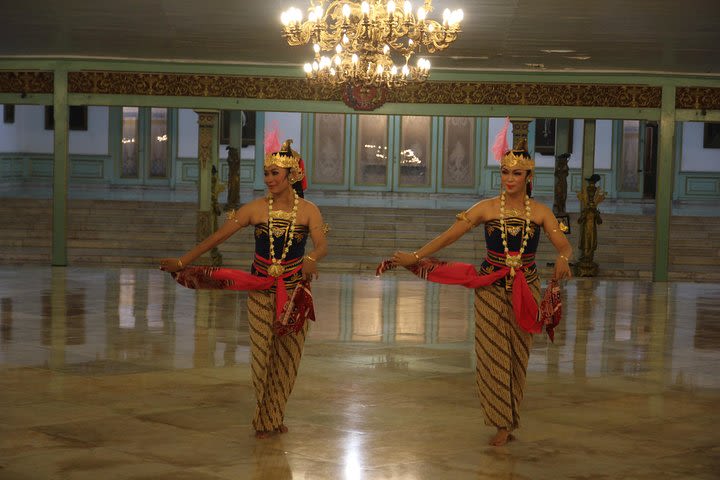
541 212
256 204
540 207
481 211
309 214
310 206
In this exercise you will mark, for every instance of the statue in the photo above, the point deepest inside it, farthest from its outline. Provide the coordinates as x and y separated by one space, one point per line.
215 189
561 174
233 183
589 219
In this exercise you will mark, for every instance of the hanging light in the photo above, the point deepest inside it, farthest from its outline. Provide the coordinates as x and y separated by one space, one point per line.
369 43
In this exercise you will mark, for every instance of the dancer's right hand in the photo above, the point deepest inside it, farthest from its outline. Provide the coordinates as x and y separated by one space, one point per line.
404 259
171 265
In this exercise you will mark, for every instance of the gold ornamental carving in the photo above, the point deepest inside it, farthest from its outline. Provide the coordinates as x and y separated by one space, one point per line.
520 133
697 98
26 82
278 88
531 94
206 121
191 85
204 225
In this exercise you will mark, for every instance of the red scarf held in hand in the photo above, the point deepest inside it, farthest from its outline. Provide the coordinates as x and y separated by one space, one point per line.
456 273
289 315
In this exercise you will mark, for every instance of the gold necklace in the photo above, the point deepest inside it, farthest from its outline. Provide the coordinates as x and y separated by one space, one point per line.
276 267
514 261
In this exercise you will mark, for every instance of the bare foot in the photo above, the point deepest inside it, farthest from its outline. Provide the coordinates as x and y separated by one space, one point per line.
261 434
281 429
501 437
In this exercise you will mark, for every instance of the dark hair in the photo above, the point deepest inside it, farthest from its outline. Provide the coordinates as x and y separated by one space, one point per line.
297 186
528 185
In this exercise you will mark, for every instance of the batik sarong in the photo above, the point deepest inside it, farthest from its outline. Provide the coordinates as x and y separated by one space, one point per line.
502 349
275 360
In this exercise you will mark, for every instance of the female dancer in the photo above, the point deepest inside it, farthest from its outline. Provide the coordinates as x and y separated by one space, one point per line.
506 286
283 221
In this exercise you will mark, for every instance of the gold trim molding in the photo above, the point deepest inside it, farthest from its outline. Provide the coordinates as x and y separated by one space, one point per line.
279 88
696 98
26 82
531 94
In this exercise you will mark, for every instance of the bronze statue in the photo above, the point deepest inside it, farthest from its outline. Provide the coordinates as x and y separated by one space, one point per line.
233 182
589 219
215 189
561 174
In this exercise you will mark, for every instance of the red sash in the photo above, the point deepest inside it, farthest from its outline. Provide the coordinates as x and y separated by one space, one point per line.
456 273
230 279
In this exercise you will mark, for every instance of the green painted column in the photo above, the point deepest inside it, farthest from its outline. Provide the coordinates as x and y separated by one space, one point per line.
207 159
60 169
562 135
664 190
588 157
259 183
236 133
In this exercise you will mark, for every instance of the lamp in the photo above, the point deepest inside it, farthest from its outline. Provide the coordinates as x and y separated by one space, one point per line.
358 43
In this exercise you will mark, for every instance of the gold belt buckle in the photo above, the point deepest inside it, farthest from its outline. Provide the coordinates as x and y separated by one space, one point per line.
275 270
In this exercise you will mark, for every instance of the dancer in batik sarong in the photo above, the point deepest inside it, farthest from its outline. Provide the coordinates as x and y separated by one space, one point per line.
279 301
506 285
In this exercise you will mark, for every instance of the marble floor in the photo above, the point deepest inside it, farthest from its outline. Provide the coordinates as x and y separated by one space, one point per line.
122 374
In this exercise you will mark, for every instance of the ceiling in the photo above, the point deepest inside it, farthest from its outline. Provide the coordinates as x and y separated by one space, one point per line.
509 35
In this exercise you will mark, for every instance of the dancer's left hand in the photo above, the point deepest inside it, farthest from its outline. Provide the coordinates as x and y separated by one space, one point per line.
562 270
310 270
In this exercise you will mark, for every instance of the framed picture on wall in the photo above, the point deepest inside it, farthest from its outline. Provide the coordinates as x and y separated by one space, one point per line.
711 135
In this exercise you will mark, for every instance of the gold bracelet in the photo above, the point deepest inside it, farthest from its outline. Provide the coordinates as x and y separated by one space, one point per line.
310 258
180 264
417 257
564 258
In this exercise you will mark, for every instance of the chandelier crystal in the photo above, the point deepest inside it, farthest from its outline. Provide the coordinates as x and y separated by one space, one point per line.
369 44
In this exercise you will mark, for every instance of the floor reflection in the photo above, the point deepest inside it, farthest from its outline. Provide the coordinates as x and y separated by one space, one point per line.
386 388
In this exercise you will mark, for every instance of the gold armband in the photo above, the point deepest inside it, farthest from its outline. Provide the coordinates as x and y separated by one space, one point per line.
324 227
180 264
417 257
231 215
462 216
310 258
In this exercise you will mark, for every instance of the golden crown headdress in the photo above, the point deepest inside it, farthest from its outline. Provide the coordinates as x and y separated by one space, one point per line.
286 157
518 159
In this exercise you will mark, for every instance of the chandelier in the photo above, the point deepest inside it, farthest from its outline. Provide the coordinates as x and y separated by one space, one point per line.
369 44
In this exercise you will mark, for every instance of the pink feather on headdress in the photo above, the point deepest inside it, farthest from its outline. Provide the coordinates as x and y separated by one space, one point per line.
272 138
500 146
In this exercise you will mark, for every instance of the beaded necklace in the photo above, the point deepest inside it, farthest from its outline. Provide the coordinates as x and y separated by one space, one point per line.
277 268
514 261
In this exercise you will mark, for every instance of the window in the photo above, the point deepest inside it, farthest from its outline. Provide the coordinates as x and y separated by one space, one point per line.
8 113
77 117
159 152
129 163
